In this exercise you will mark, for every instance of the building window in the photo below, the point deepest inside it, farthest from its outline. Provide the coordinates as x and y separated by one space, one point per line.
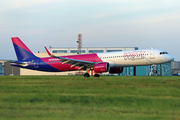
96 51
59 51
114 50
76 51
136 48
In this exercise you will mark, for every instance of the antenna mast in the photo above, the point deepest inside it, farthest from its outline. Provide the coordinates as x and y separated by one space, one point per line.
79 43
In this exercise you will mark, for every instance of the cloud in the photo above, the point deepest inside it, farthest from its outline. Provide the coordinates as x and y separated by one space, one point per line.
24 3
164 18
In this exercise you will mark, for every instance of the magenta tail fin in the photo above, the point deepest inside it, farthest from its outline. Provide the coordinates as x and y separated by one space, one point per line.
22 51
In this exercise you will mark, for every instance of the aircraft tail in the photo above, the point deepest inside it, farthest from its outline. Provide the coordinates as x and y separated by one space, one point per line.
22 51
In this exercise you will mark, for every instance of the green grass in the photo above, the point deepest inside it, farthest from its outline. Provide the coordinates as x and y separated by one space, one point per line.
76 97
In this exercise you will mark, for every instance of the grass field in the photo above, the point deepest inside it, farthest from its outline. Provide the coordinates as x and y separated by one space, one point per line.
76 97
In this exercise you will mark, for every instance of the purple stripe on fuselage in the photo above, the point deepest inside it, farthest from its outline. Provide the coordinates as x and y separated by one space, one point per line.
36 64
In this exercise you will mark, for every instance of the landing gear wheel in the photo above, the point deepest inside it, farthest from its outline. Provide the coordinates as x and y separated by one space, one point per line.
96 75
86 75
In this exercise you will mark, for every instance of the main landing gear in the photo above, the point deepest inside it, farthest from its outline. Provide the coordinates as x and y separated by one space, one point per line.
96 75
87 75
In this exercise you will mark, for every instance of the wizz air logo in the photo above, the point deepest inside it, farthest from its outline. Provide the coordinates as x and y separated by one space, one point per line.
135 55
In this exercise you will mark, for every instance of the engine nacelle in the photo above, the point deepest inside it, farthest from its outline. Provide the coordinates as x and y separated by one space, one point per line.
116 70
101 67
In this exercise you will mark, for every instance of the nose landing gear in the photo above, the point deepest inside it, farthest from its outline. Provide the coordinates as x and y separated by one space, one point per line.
154 70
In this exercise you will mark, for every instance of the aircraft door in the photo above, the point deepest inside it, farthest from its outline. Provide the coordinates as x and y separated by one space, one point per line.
36 62
152 54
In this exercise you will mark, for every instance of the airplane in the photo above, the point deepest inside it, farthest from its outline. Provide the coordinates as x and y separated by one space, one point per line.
112 62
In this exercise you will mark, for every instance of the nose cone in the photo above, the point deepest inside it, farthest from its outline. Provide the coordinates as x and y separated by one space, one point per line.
170 58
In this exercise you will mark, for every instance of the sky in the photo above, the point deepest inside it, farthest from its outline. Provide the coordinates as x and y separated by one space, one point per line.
102 23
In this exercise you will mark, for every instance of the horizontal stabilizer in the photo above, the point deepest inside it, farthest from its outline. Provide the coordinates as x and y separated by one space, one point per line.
19 63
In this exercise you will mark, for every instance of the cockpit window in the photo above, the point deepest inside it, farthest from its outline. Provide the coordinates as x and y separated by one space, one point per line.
163 53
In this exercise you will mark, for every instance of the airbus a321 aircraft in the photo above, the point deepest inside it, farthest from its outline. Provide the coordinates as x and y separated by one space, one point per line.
112 62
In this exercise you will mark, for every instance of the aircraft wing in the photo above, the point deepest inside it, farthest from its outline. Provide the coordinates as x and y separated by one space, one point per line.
73 62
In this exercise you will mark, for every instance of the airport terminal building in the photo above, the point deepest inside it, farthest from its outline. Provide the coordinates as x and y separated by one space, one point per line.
162 69
91 49
1 69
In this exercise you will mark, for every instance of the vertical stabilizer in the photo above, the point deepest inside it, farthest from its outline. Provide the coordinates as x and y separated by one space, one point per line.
22 51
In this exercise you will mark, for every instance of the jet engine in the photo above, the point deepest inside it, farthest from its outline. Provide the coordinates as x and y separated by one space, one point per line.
101 67
116 70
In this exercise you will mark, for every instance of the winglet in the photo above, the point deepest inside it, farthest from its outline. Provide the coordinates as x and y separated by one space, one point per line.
48 51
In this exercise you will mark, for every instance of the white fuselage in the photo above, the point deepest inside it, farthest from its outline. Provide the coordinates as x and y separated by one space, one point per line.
136 57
